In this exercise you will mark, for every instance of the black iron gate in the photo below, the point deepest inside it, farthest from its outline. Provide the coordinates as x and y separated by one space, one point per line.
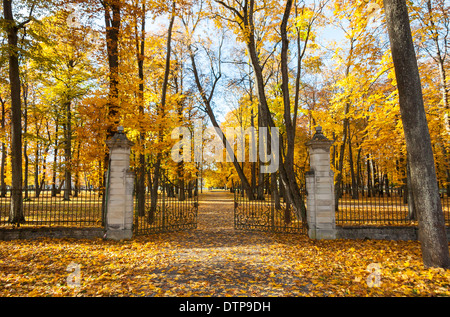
269 212
172 207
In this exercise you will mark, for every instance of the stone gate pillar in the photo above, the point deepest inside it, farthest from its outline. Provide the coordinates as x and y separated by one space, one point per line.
320 189
119 193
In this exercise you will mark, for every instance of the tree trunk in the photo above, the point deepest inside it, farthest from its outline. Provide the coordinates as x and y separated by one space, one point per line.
276 193
386 185
68 151
77 171
36 170
287 170
25 140
16 212
3 189
373 178
359 177
44 174
260 186
448 182
445 92
409 195
352 167
190 188
161 113
140 53
432 232
253 164
369 176
154 192
55 156
280 188
333 155
181 182
340 177
112 12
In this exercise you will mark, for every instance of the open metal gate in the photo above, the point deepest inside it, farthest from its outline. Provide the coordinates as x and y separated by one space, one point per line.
173 207
267 213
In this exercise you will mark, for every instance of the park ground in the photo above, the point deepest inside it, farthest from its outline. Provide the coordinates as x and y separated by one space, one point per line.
216 260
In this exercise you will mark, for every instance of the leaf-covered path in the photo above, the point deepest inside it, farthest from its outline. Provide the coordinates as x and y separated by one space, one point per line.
216 260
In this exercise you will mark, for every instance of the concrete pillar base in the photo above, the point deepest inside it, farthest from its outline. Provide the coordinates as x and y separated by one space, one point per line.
322 234
121 234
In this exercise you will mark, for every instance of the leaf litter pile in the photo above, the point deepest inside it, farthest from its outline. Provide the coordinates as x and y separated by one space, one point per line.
216 260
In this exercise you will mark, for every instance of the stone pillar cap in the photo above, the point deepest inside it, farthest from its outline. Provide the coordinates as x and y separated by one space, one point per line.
319 139
119 139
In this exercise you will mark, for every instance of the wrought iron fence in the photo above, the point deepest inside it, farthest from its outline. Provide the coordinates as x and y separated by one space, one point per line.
270 213
380 209
47 207
174 208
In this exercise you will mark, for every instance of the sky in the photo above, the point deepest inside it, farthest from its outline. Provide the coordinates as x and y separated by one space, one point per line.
329 33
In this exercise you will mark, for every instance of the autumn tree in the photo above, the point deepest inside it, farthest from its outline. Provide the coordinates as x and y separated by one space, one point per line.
206 93
432 232
247 20
432 18
356 88
12 28
64 71
161 111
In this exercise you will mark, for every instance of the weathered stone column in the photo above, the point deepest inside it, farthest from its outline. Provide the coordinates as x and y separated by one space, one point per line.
119 194
320 189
